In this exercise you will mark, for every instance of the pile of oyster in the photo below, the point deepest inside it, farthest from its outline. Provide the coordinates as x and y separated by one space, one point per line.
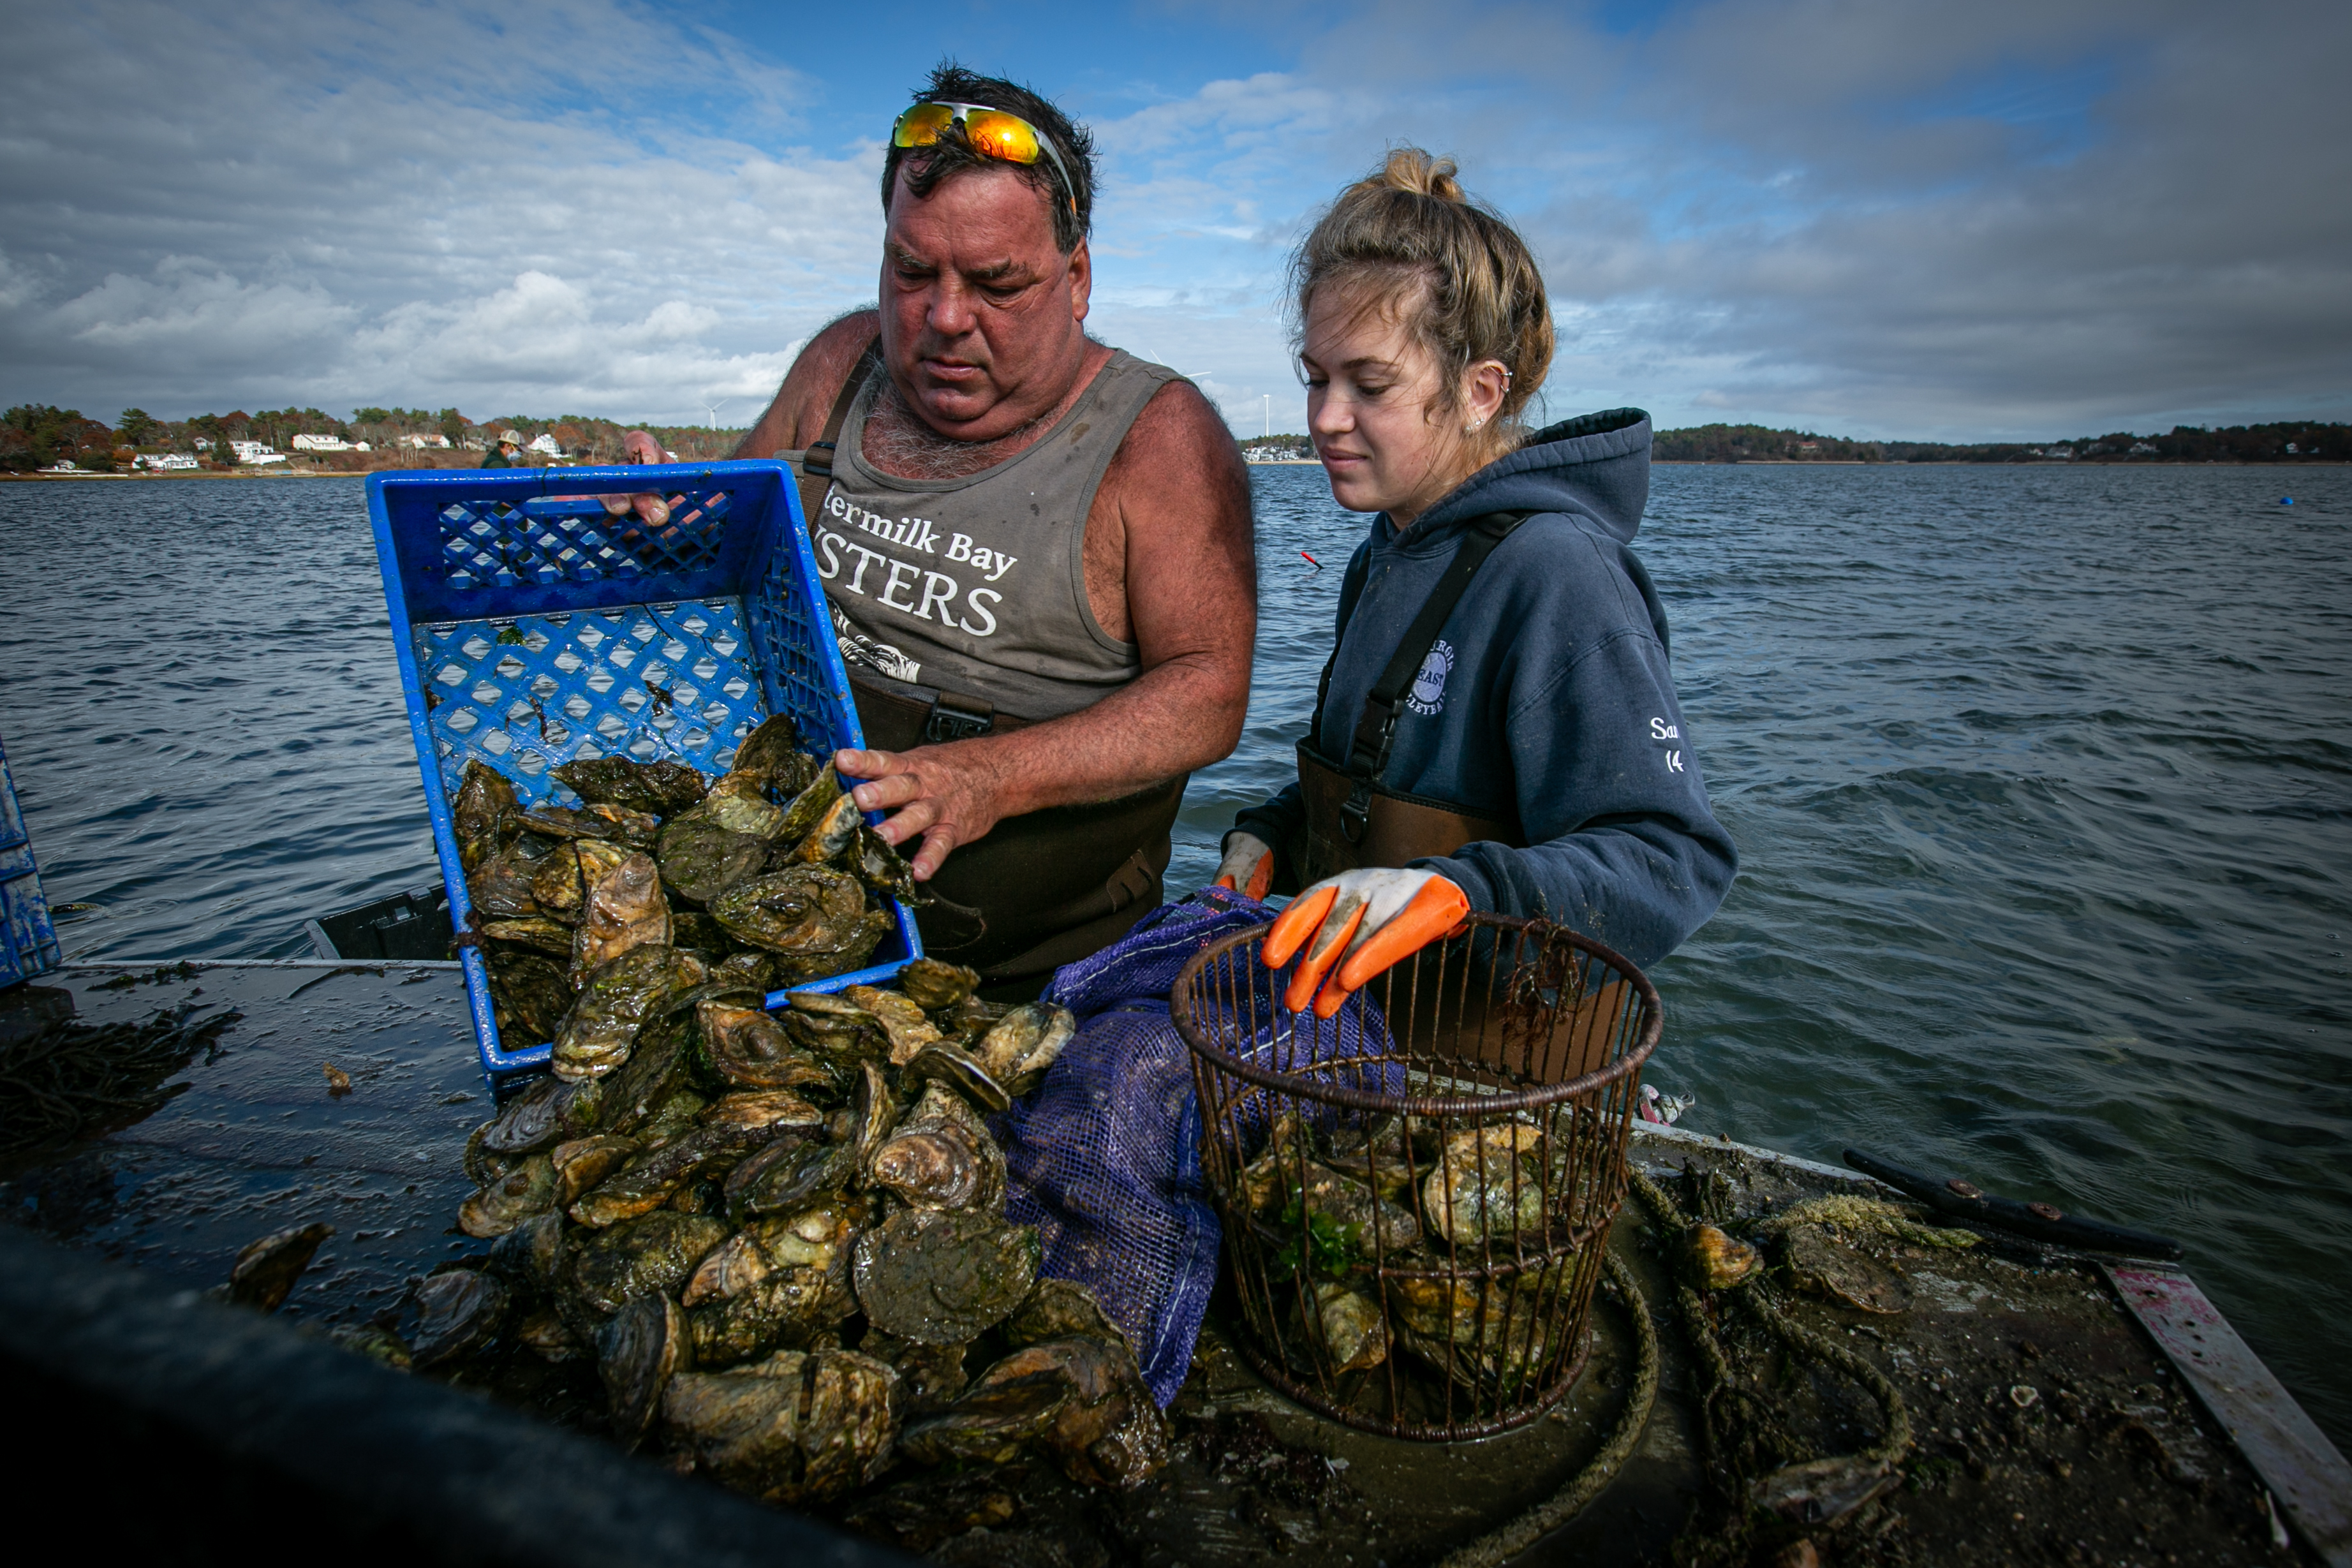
780 1235
662 880
1403 1233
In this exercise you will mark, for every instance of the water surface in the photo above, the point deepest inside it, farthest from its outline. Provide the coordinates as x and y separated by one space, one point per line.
2041 778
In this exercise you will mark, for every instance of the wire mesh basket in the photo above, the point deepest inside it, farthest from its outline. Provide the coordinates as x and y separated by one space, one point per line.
1416 1192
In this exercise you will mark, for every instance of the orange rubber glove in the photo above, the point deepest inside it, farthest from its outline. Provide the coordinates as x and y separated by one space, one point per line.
1248 866
1353 926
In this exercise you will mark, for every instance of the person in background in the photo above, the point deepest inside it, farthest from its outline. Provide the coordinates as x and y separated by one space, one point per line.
1036 548
504 456
1497 728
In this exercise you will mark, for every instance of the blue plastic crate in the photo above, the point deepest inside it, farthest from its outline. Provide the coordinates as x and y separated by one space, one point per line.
533 628
28 940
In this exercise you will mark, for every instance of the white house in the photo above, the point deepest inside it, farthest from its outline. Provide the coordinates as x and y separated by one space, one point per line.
321 444
423 442
167 460
255 454
543 442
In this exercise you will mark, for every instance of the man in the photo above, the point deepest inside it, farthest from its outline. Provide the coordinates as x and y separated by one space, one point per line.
1037 549
510 448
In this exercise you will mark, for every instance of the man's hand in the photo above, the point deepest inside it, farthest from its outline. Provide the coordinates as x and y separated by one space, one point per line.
1248 866
948 794
1359 923
639 447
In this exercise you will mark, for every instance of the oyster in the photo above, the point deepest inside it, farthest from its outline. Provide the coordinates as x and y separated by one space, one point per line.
584 1162
660 789
940 1278
1343 1221
482 815
613 824
1488 1181
1348 1327
750 1048
956 1069
624 909
931 985
539 1118
701 859
883 869
739 803
852 1424
1021 1044
534 932
832 835
818 1236
498 1208
455 1313
615 1000
908 1029
1380 1154
762 1109
991 1423
873 1111
1494 1335
663 1065
1716 1260
941 1157
499 885
375 1342
1107 1431
837 1030
1818 1264
805 909
560 884
529 995
788 1174
546 1335
657 1252
790 1307
1059 1310
929 1375
742 1428
751 970
637 1353
772 754
265 1272
808 807
656 1175
530 1256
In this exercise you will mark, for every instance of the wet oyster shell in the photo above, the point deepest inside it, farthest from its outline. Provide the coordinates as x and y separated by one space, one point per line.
530 1256
940 1157
762 1109
881 867
805 909
790 1174
535 932
940 1278
538 1118
739 803
659 1173
790 1307
833 833
375 1342
265 1272
527 1190
1020 1047
955 1067
584 1162
742 1428
908 1028
529 995
661 789
1059 1310
701 859
1716 1260
751 1049
657 1253
455 1313
624 909
1348 1327
772 754
560 884
752 971
1488 1181
614 1001
1108 1432
482 815
932 983
613 824
852 1424
645 1345
808 807
992 1423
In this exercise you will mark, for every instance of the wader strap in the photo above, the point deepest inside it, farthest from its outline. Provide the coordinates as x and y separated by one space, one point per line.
817 463
1368 754
899 721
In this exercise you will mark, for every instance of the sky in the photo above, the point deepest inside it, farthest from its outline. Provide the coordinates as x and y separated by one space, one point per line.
1880 218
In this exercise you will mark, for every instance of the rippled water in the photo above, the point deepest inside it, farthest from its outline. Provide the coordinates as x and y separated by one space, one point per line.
2041 780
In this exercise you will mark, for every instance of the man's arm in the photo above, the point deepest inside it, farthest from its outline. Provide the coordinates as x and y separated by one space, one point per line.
1176 500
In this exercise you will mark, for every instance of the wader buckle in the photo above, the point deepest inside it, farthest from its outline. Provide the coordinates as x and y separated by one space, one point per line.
957 718
1355 813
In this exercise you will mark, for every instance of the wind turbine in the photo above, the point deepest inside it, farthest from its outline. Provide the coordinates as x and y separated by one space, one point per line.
713 408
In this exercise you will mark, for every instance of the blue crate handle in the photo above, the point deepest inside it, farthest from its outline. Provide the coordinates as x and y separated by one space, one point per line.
515 596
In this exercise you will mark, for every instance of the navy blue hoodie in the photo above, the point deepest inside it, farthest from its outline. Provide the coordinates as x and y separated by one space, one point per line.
1547 697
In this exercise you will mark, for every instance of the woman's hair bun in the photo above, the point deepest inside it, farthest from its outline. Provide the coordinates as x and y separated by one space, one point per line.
1410 169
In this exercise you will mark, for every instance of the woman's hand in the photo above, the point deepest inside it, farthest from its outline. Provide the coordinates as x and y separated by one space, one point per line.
1359 923
1248 866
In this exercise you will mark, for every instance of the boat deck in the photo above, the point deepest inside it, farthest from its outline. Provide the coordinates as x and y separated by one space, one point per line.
2048 1426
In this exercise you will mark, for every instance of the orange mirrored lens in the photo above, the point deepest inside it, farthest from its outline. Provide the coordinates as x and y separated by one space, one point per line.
1000 135
920 126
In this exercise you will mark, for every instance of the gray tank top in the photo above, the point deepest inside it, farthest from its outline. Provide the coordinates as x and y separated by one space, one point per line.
978 585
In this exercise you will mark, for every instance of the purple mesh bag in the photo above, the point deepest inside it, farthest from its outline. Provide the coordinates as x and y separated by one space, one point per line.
1105 1158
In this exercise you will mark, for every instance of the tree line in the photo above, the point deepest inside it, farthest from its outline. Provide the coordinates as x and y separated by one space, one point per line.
2287 442
39 435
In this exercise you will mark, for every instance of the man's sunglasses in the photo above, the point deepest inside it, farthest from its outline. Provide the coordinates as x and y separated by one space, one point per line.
992 133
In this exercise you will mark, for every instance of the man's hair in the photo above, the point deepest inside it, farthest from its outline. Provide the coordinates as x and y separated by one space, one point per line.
930 167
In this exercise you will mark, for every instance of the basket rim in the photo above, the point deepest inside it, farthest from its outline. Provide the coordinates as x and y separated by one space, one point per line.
1180 1011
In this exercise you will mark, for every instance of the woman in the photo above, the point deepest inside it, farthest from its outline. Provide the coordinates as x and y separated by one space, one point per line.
1496 728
